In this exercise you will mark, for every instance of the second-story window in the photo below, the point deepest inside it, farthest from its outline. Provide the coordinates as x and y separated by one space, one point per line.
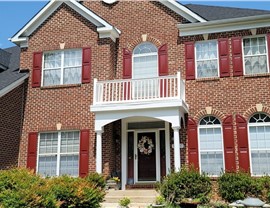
145 65
255 55
62 67
206 59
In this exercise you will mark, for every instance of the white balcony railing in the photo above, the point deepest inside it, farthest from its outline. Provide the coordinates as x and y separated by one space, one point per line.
134 90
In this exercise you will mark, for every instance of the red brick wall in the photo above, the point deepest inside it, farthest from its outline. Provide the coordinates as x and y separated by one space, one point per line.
70 105
11 119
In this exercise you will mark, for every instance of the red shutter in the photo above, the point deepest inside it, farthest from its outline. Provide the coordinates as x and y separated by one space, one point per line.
84 153
223 48
32 151
127 64
268 44
192 143
242 140
86 65
228 141
163 60
37 67
237 59
190 60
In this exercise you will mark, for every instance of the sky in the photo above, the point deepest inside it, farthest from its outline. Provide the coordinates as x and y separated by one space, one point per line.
15 14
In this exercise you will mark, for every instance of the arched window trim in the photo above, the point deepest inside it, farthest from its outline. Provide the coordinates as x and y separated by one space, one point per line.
211 126
260 124
144 55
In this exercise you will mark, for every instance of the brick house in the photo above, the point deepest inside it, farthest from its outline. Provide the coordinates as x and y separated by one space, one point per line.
12 97
136 89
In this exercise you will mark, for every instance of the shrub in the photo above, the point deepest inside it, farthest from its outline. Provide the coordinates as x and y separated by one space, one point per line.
188 183
97 179
235 186
22 188
124 202
75 192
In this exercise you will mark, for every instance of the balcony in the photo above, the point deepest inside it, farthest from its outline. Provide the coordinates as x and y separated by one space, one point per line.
131 94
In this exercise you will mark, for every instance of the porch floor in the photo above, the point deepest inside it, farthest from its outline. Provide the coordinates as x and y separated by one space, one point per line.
140 198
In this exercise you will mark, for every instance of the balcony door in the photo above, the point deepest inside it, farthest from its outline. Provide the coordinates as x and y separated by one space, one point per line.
145 67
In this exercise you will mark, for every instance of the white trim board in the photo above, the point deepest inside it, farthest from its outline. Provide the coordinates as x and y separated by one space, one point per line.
12 86
225 25
105 30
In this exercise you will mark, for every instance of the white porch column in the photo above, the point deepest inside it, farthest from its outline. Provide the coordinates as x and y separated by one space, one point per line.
177 159
99 152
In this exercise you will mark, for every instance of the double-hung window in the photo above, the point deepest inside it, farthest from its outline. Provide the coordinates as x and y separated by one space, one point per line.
58 153
206 59
211 146
259 143
62 67
255 55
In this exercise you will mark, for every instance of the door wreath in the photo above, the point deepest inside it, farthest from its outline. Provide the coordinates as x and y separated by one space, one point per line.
145 145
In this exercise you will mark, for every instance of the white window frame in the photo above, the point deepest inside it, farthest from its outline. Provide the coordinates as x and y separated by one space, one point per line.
58 154
61 67
249 145
243 53
212 126
135 93
195 53
142 55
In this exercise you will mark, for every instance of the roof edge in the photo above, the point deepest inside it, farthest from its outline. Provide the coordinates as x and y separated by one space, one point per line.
21 37
13 85
182 11
224 25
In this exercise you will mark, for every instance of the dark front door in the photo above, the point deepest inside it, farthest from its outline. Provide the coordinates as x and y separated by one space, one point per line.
146 156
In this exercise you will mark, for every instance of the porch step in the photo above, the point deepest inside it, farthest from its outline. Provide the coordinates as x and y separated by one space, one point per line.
140 198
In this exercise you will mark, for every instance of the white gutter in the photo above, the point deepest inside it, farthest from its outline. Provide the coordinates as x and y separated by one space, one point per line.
216 26
182 11
13 85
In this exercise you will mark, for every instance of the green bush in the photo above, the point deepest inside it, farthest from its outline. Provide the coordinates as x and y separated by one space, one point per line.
22 188
97 179
235 186
186 184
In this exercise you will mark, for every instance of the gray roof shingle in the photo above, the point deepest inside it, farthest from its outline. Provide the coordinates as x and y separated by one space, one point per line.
12 73
4 59
219 12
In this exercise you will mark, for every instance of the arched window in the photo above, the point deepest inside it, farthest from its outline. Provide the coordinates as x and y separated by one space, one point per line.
145 61
259 143
211 146
145 65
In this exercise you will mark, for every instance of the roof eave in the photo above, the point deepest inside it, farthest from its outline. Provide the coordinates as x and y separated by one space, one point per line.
225 25
21 37
182 11
13 85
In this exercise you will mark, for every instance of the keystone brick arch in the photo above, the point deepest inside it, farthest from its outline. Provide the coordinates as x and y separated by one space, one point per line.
221 116
251 111
134 43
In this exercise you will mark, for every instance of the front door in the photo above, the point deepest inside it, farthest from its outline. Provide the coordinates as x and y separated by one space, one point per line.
146 153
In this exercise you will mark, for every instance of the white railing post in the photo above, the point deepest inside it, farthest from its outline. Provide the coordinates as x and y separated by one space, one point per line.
179 85
95 91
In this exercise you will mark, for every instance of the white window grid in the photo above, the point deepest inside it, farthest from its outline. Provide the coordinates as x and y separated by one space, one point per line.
62 67
58 154
261 54
221 150
205 59
138 88
258 149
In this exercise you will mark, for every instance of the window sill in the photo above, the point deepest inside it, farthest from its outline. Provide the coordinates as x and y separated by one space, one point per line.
257 75
60 86
207 79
